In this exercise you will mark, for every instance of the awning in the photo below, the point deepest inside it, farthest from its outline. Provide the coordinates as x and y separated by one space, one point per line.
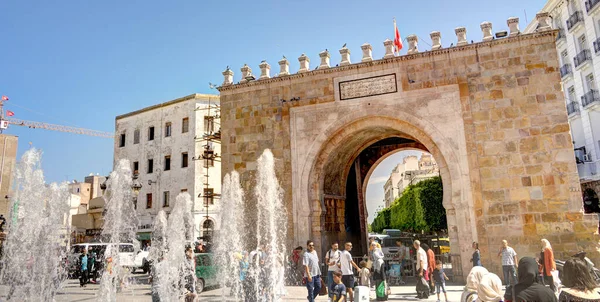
144 236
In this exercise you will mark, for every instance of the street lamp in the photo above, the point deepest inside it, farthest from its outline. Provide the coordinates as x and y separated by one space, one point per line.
136 186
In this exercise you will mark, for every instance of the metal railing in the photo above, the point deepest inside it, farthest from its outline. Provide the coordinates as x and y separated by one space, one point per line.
590 97
590 5
588 170
572 108
597 45
574 19
561 35
566 70
582 57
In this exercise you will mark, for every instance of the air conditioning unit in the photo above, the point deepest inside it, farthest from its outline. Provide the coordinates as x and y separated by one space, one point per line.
587 157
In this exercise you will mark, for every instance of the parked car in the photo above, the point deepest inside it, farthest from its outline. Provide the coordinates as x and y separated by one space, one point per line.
206 271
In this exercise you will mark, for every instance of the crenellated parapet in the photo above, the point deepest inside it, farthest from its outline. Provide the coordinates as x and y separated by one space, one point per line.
412 41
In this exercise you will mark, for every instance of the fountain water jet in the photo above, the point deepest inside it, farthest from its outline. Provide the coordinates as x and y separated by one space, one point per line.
265 276
120 225
172 268
34 250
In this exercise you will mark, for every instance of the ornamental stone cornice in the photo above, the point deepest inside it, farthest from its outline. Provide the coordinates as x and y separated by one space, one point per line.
414 56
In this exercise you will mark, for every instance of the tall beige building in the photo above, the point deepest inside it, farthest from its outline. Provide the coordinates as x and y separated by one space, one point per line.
8 159
412 170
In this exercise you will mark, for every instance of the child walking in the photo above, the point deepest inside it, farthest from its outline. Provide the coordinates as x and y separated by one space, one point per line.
364 275
439 278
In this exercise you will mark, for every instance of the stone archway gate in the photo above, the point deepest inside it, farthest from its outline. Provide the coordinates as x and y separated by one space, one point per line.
491 113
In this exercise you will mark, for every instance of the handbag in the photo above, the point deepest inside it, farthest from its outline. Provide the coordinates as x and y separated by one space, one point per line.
323 291
555 279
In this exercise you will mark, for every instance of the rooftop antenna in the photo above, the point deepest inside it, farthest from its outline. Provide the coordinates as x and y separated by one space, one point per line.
525 11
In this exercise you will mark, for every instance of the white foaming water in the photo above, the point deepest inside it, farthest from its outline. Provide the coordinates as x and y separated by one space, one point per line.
34 250
120 226
265 276
172 270
231 230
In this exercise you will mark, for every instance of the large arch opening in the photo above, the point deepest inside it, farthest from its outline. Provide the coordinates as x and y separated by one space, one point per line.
345 161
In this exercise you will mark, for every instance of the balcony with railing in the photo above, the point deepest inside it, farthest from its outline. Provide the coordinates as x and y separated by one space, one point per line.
590 98
562 36
597 46
572 108
588 171
566 70
575 20
591 6
584 56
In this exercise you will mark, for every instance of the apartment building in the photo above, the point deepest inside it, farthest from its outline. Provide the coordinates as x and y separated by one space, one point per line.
166 146
412 170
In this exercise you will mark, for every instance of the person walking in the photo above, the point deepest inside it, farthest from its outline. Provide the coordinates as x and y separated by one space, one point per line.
439 276
476 259
92 266
430 265
83 268
333 262
421 269
346 264
401 257
547 264
509 263
312 271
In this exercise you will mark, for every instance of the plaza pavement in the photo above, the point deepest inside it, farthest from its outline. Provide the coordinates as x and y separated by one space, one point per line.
140 292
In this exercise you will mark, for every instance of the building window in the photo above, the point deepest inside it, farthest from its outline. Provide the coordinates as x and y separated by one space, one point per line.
136 167
185 125
77 190
582 43
136 136
209 124
150 166
151 133
122 140
208 227
168 129
167 162
209 162
589 81
166 195
183 190
208 196
149 201
571 92
184 160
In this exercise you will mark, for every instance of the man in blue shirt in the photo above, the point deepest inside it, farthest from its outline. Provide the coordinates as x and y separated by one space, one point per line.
83 269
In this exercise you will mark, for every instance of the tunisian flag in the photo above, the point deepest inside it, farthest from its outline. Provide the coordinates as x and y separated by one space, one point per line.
10 113
4 98
397 39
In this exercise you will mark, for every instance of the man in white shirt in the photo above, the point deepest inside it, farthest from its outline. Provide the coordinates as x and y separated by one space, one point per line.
332 258
346 264
509 263
421 267
312 271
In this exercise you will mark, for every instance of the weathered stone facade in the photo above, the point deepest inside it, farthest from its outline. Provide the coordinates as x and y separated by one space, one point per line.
492 114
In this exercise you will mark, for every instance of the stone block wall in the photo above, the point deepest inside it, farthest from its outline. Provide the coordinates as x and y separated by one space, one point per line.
519 154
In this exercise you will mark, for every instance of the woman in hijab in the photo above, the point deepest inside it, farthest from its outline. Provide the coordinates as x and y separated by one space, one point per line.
547 264
378 268
579 282
527 289
470 292
489 289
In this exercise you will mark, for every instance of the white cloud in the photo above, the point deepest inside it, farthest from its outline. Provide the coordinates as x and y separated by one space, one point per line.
378 180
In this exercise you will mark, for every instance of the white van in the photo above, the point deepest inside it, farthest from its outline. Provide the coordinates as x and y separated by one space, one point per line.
128 255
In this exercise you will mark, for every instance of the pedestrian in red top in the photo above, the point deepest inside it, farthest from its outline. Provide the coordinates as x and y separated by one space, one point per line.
547 264
430 265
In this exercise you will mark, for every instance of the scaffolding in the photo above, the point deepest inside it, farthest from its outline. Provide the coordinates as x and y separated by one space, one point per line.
209 156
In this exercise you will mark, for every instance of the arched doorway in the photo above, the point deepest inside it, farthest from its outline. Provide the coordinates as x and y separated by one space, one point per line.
336 163
208 228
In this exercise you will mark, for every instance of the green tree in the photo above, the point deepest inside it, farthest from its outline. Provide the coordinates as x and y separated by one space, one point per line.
432 193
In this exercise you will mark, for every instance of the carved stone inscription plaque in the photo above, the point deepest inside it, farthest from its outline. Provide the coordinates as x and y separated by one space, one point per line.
368 87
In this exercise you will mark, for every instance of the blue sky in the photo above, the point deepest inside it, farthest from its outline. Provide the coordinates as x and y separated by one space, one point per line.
82 63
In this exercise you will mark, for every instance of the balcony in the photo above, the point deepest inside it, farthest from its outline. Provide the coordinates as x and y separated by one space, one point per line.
566 70
588 171
575 20
597 46
561 37
584 56
592 97
572 108
591 6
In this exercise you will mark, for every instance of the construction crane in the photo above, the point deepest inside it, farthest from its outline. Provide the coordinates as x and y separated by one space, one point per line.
6 121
